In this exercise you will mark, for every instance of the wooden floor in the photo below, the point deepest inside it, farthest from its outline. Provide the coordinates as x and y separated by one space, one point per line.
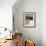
9 43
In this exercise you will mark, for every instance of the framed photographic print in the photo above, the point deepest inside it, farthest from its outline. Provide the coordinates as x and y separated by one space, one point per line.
29 19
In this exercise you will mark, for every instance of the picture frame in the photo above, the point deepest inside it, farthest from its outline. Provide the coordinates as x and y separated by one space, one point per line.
29 19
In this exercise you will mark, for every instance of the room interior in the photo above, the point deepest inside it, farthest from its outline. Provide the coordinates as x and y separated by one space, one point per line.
22 23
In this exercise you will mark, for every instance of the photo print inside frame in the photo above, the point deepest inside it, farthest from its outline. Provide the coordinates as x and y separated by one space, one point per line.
29 19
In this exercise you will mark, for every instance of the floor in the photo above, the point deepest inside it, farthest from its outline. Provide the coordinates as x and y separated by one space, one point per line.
17 40
9 43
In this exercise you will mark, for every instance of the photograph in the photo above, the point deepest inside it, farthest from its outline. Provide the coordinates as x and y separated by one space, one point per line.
22 22
29 19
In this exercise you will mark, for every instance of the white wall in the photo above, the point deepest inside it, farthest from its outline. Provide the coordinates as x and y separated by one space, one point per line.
29 6
43 22
6 13
38 34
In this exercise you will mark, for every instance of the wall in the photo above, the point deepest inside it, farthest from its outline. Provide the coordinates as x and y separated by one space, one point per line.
43 22
6 13
28 6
